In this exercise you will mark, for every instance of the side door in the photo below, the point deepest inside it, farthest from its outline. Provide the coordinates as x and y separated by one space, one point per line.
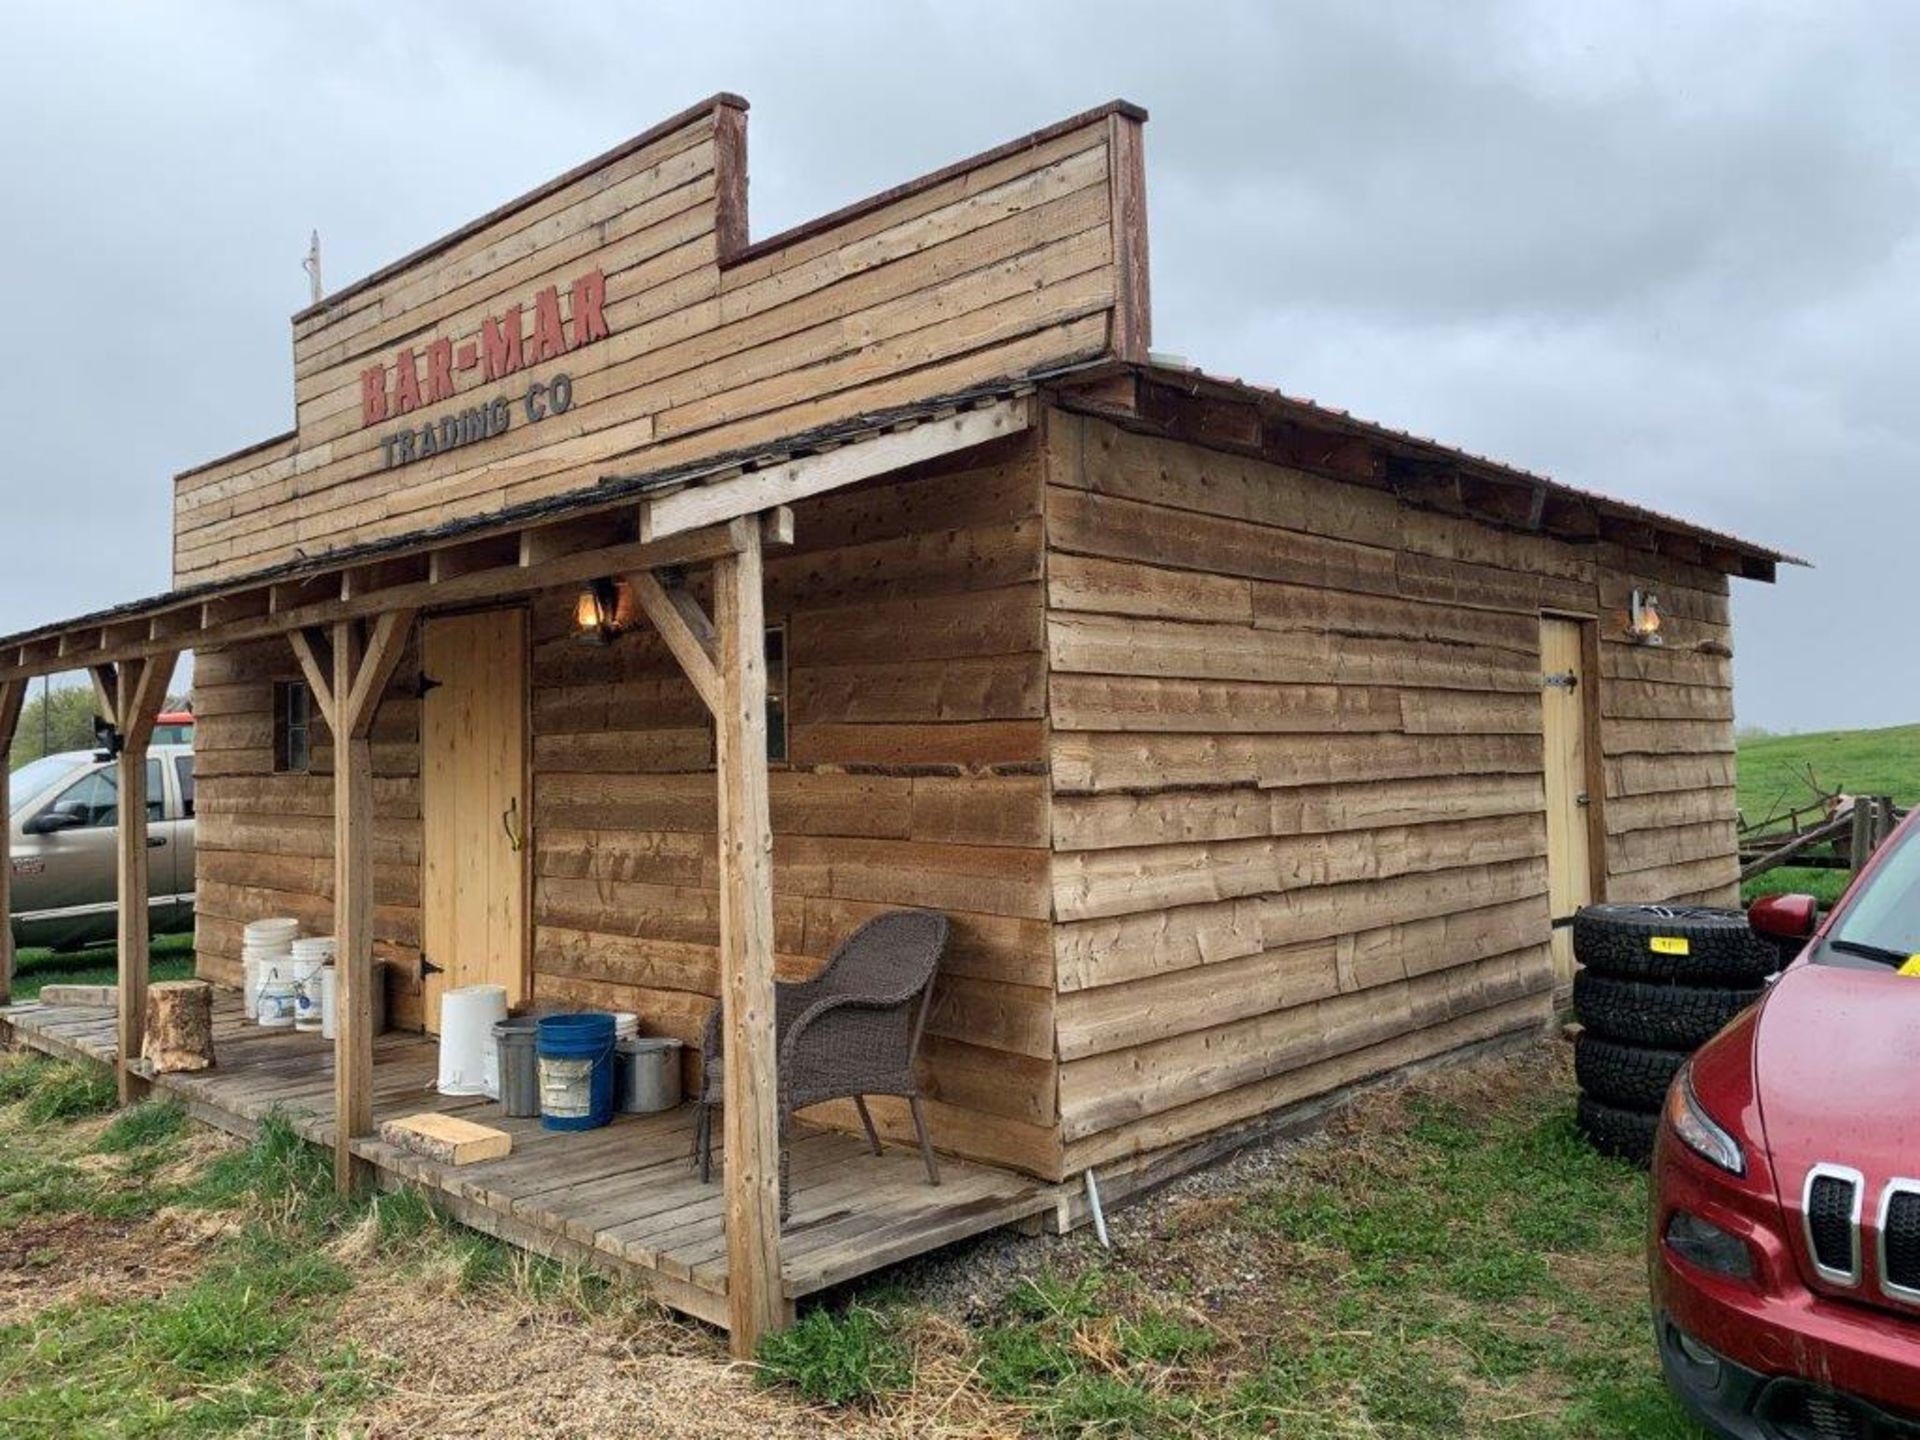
1571 753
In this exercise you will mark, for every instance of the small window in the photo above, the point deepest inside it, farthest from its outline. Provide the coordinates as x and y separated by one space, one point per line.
292 727
183 771
777 694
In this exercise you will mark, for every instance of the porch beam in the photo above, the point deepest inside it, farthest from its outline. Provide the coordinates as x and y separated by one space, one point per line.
359 680
850 463
310 648
756 1292
688 633
141 690
106 692
13 694
243 615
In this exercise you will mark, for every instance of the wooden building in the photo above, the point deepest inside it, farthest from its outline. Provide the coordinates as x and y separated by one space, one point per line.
1254 750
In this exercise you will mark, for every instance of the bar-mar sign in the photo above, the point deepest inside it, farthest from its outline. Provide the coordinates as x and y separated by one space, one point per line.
419 377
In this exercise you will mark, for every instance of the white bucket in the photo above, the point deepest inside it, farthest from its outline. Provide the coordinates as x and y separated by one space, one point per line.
467 1018
272 933
251 967
306 993
277 1001
626 1025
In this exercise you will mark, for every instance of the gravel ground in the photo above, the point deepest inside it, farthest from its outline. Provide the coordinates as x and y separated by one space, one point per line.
970 1282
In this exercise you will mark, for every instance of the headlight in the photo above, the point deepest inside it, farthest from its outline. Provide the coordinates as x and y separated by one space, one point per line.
1698 1130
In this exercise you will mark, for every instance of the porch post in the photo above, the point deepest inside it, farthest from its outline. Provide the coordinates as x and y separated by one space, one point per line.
140 688
12 694
756 1292
348 702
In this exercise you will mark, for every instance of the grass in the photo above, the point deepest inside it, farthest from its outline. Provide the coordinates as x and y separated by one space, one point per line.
260 1252
838 1359
1779 773
1450 1259
170 958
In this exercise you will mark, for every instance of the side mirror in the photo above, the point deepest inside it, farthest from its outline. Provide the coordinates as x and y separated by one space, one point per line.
49 821
1784 917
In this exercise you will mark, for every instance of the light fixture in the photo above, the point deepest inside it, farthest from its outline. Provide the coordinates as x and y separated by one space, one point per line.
602 612
1643 618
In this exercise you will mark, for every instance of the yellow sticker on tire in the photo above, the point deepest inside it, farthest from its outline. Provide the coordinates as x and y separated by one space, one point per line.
1669 945
1911 967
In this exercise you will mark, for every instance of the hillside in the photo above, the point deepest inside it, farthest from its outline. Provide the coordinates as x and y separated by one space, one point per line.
1774 771
1781 772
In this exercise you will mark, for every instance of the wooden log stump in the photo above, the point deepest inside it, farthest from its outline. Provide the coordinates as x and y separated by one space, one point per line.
179 1026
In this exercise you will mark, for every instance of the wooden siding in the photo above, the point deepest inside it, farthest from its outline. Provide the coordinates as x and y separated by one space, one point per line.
264 841
1026 257
916 697
1297 818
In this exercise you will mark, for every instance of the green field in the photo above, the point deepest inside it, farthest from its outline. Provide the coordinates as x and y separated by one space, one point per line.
1779 773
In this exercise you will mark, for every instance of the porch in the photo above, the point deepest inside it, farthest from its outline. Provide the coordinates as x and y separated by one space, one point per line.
624 1199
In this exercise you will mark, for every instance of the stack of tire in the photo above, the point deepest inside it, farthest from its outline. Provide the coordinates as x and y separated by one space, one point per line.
1656 982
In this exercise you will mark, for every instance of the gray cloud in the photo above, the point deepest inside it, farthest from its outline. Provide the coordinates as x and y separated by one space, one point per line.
1666 252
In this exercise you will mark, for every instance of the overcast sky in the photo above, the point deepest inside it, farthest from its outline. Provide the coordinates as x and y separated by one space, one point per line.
1666 252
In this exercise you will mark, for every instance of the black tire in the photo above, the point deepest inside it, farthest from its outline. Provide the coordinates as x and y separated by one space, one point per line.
1623 1134
1629 1077
1666 1017
1721 948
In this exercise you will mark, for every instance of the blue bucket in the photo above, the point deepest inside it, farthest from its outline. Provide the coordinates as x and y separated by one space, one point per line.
576 1070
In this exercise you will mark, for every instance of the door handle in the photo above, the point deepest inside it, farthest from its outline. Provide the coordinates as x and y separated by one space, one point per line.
1583 799
510 822
154 842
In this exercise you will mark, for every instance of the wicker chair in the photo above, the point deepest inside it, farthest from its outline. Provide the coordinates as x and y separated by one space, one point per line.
851 1031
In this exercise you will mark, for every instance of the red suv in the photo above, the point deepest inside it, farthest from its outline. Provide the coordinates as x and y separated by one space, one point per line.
1785 1244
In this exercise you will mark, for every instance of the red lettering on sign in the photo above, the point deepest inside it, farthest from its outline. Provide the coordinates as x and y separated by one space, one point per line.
549 340
501 341
373 395
589 308
439 371
406 382
503 346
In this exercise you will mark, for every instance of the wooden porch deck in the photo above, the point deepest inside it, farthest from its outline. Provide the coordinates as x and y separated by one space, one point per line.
624 1198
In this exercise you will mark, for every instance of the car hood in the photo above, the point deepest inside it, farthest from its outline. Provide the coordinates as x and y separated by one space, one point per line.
1837 1070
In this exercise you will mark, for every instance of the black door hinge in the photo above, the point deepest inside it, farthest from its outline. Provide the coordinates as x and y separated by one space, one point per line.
427 967
425 683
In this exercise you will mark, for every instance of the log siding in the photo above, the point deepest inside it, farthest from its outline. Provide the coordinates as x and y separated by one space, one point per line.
1297 823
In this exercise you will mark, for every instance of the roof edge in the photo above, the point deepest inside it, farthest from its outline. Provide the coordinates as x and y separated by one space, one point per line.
722 100
267 444
1196 381
853 211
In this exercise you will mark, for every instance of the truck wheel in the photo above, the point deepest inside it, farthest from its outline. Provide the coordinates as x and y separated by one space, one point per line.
1672 1017
1623 1134
1687 944
1632 1077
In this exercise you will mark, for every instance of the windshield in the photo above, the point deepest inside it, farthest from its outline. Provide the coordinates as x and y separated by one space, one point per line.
1882 919
30 779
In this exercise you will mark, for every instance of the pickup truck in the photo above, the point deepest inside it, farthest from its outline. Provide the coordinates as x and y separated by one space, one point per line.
63 832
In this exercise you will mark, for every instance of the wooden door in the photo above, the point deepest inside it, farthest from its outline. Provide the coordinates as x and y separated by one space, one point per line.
473 744
1570 747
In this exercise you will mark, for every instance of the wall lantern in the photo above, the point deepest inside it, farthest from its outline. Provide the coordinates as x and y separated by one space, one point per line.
1643 618
603 611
